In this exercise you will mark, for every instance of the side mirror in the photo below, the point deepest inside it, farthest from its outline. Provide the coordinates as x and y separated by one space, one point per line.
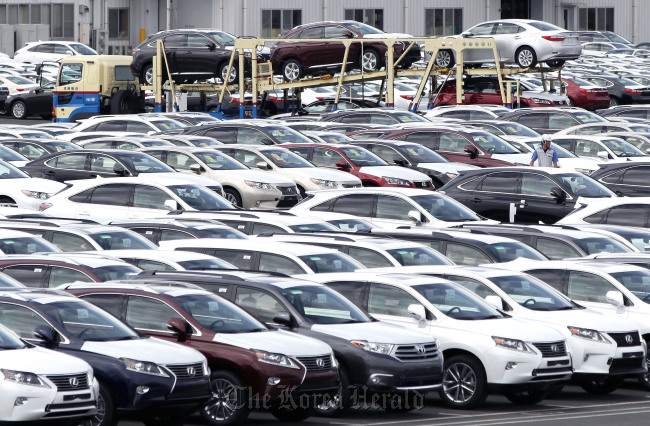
119 170
46 334
38 68
417 312
603 154
196 168
342 165
558 194
179 327
282 318
468 35
494 301
266 142
415 216
647 150
348 34
471 150
401 162
171 205
210 46
262 165
615 298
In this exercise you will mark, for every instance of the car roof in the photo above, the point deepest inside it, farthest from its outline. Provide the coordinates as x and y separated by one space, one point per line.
255 245
480 237
346 239
276 218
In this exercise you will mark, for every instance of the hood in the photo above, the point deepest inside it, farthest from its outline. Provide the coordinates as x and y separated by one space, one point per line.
511 328
514 158
543 95
151 350
450 167
183 178
583 318
322 173
254 175
38 184
394 172
377 332
18 163
280 341
578 163
42 361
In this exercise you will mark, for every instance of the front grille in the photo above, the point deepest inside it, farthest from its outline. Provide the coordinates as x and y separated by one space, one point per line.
287 202
551 350
288 190
626 339
559 102
70 382
416 352
311 363
623 365
187 372
350 185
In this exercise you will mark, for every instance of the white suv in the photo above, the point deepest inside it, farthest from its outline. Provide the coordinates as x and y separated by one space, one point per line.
43 51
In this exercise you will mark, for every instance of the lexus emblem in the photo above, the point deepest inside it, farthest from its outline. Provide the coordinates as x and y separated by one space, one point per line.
555 348
629 339
191 371
74 382
289 190
320 362
420 348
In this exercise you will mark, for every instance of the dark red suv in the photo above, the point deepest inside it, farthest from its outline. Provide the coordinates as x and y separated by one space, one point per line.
294 60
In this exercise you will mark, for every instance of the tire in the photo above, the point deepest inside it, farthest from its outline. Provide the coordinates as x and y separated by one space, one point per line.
292 70
526 57
105 415
234 73
122 102
147 75
570 102
464 384
644 378
292 414
527 397
369 60
226 387
603 385
340 403
614 101
556 63
445 59
233 196
19 110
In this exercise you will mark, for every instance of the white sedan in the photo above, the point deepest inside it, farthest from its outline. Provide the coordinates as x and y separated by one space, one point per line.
24 191
17 84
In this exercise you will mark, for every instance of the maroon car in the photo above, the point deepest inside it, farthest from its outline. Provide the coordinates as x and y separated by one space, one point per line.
248 360
293 60
584 94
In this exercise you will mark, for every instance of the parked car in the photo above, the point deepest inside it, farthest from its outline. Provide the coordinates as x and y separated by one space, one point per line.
373 116
35 148
625 211
136 123
24 191
598 128
585 94
36 101
622 91
190 140
163 229
50 51
260 132
166 260
599 36
601 147
566 159
623 111
130 143
461 112
551 120
625 179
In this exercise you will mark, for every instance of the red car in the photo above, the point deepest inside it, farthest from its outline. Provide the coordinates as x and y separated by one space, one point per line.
372 170
583 94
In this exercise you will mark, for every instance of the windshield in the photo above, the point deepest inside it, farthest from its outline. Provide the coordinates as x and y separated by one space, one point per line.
445 209
39 135
544 26
421 154
532 293
122 240
516 129
583 186
25 245
588 117
352 225
560 151
331 262
285 159
17 80
7 171
164 125
509 251
313 227
82 49
116 272
87 322
456 302
414 256
287 135
217 161
200 198
616 38
622 148
222 38
639 238
61 146
144 163
640 128
322 305
70 73
638 282
160 142
7 154
9 340
601 245
408 117
205 264
361 157
335 137
362 29
493 144
218 315
203 142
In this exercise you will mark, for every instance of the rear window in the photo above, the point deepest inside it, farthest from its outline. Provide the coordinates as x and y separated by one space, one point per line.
544 26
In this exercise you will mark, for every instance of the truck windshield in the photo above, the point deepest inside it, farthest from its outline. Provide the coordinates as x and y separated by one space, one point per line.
70 73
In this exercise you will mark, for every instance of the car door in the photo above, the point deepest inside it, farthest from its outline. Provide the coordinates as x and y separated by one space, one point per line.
314 54
361 205
537 204
538 121
335 50
479 55
148 202
391 211
201 52
390 303
635 182
555 249
104 203
177 53
63 167
59 275
591 291
626 215
508 37
496 197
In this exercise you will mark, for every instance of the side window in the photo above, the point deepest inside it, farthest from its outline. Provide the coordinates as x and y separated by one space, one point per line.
555 250
30 150
179 161
259 303
561 121
389 300
428 139
82 197
586 148
197 41
225 134
70 242
503 182
111 126
537 185
112 303
369 258
148 314
483 29
383 119
71 161
250 136
98 145
149 197
172 234
334 31
126 145
28 275
138 127
616 177
302 151
359 118
260 228
152 265
175 41
465 255
588 287
637 176
316 32
451 142
356 205
552 277
389 207
564 143
277 263
507 28
111 194
630 215
472 285
241 259
249 159
101 163
21 320
325 157
386 153
60 275
534 120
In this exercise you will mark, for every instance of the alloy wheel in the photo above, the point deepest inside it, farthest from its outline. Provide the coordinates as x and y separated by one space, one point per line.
459 382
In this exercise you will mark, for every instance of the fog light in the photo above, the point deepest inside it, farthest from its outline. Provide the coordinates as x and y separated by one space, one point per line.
511 365
258 203
375 380
141 390
20 401
273 381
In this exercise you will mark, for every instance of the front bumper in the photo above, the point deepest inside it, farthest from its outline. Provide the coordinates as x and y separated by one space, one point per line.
509 367
594 358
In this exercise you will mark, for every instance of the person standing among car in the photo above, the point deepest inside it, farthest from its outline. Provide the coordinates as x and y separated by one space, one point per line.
546 156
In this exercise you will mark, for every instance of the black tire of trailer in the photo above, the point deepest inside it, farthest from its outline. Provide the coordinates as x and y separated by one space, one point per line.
123 102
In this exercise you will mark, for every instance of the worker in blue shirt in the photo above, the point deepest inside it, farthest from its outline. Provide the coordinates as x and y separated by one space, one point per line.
546 155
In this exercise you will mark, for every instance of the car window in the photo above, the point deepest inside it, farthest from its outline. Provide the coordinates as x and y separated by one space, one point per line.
383 119
152 265
250 159
388 300
99 145
483 29
369 258
111 194
260 228
588 287
555 249
246 135
138 127
102 163
259 303
462 254
149 197
356 204
180 161
30 150
452 142
70 242
358 118
70 161
352 290
537 185
630 215
637 176
175 41
43 48
28 275
222 134
552 277
389 207
334 31
60 275
502 182
146 313
277 263
111 126
112 303
507 28
388 154
21 320
316 32
325 157
475 286
241 259
197 41
560 121
173 234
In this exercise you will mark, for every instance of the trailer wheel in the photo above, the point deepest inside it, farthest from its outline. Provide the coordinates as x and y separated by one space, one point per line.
123 102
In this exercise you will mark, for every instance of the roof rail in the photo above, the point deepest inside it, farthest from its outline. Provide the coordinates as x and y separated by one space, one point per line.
238 213
217 272
307 234
37 217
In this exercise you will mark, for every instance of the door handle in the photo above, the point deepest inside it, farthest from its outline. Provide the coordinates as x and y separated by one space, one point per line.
516 37
475 200
523 203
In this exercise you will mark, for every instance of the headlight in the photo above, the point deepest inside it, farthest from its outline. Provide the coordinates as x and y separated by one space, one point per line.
515 345
588 334
396 181
275 359
260 185
24 378
325 183
451 175
585 171
144 367
541 101
36 194
380 348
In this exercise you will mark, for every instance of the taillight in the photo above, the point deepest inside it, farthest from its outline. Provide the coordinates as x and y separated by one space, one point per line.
553 38
135 50
20 90
320 98
407 97
633 92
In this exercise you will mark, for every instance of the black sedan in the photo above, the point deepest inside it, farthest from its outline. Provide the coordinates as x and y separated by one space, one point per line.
553 119
35 102
625 179
90 163
622 91
36 148
523 194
